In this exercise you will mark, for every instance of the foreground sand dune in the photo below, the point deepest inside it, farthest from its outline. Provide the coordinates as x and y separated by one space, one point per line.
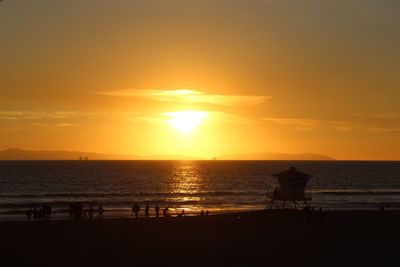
265 238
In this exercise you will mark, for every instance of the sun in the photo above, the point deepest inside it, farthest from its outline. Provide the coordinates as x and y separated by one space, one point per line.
186 121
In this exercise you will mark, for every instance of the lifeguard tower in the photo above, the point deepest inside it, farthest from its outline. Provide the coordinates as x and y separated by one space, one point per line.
292 188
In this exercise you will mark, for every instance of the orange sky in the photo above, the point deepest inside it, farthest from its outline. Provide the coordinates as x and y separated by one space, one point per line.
271 76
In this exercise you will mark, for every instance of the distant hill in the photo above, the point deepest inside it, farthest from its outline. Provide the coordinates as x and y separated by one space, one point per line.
275 156
21 154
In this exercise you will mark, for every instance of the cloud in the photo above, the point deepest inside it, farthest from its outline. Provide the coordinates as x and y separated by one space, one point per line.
36 115
358 122
64 125
377 129
306 124
294 121
190 96
67 119
394 116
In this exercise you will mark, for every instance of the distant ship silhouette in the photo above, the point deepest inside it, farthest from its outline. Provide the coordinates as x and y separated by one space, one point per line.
83 158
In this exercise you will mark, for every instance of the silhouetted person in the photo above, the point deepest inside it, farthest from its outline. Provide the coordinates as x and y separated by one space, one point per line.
146 211
136 209
43 211
202 213
79 211
312 212
40 214
76 210
70 211
157 209
46 210
49 212
28 214
321 216
307 213
100 212
91 210
165 212
207 213
183 213
35 214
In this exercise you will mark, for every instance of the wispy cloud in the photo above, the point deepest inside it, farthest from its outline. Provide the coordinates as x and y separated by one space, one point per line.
306 124
366 123
380 129
395 116
295 121
36 115
190 96
12 119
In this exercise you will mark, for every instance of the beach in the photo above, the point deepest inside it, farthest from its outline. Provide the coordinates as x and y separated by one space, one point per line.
260 238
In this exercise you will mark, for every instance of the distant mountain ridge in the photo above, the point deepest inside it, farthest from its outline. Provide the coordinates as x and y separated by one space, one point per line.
21 154
276 156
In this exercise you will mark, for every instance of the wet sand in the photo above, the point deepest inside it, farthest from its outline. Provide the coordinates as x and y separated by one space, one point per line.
266 238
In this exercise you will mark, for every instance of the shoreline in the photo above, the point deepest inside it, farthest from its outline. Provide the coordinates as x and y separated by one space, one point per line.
127 214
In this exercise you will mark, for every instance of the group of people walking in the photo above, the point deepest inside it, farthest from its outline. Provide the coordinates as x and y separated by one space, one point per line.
136 210
42 213
76 211
309 212
165 212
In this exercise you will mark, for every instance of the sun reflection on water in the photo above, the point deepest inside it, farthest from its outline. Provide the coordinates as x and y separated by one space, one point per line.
186 184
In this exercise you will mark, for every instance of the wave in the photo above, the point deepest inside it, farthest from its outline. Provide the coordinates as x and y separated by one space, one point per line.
358 192
138 194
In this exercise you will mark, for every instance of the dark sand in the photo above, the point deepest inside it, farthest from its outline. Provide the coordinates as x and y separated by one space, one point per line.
256 239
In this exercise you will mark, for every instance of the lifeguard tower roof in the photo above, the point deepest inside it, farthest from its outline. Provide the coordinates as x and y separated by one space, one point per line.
292 173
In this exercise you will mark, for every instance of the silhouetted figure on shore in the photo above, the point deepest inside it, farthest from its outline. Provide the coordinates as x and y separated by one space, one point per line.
91 210
100 214
157 210
207 213
146 211
321 216
28 214
136 209
166 212
183 213
202 213
75 211
46 212
35 214
43 213
49 212
307 213
71 211
40 214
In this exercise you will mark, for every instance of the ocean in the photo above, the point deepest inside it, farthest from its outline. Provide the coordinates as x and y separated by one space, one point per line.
217 186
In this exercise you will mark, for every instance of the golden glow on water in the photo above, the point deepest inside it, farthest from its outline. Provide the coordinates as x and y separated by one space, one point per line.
187 181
